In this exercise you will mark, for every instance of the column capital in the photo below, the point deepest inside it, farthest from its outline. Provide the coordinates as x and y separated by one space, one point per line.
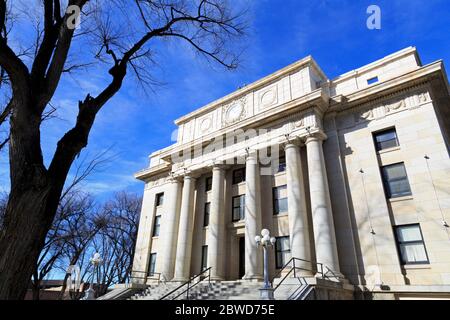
315 136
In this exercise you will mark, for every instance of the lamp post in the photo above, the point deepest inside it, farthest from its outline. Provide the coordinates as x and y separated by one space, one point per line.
96 260
266 292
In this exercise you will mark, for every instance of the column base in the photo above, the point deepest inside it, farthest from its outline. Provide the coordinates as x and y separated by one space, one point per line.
253 278
179 279
266 294
217 278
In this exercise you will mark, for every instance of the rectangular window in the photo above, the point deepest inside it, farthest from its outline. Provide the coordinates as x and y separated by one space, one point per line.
152 265
411 245
206 215
208 185
372 80
159 199
280 203
282 164
385 139
238 208
395 180
282 252
156 226
238 176
204 265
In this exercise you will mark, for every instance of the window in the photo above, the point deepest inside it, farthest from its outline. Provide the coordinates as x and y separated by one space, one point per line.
159 199
410 244
385 139
280 200
395 180
204 265
208 185
156 226
372 80
152 264
282 252
238 208
238 176
206 214
282 164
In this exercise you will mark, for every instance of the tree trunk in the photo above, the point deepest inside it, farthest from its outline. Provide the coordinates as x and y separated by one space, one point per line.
31 208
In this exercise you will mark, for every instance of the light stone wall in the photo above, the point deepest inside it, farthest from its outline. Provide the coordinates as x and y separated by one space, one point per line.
417 104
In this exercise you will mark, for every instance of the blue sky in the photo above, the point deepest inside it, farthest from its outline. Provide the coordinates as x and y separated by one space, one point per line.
133 124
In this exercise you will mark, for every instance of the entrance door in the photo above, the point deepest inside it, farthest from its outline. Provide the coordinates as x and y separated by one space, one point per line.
241 257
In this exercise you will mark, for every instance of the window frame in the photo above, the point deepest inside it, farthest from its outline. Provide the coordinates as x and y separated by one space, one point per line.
378 148
206 214
208 186
243 175
278 267
204 258
152 264
157 219
241 207
386 182
159 199
276 200
400 243
281 164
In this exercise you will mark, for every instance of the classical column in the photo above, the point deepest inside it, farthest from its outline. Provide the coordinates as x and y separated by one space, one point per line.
184 245
253 260
216 228
169 229
322 216
298 216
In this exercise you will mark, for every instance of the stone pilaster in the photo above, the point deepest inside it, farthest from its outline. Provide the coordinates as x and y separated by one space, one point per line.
322 216
298 216
253 259
185 233
216 228
169 229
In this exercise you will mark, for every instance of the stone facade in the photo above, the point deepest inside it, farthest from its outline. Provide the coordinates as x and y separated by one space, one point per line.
338 212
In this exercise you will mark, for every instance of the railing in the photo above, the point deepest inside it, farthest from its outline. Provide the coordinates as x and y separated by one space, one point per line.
146 276
190 284
294 268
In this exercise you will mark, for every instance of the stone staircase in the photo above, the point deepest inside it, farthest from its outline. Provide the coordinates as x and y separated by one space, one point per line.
217 290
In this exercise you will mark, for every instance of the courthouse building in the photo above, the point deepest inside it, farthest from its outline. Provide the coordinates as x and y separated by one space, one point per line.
351 176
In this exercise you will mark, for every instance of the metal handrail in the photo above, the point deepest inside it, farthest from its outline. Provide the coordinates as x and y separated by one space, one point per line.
153 276
188 284
294 269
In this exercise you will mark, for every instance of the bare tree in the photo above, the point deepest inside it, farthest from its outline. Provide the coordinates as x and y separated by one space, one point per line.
208 26
116 243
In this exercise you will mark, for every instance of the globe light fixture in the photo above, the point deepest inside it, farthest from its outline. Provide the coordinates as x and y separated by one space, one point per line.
266 241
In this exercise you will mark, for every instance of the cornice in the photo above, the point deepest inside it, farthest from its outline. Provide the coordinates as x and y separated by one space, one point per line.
251 87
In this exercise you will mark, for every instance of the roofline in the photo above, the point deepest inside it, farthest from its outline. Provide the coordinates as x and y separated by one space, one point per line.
251 87
378 63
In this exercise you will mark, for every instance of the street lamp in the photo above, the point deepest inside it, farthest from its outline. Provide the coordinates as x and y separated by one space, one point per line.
96 260
266 241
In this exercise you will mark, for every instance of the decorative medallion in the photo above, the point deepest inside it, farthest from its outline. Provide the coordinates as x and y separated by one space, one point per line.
235 111
268 97
205 124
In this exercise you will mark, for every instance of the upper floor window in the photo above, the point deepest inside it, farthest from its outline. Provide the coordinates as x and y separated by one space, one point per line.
372 80
385 139
395 180
204 263
239 208
238 175
208 185
411 245
282 252
159 199
156 226
280 199
282 164
206 215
